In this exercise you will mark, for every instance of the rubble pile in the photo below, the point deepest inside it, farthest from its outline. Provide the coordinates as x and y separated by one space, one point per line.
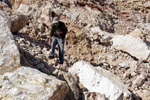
111 35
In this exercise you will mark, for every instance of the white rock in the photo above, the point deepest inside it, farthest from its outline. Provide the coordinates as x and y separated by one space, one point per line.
23 8
139 80
104 37
145 26
134 46
30 84
93 96
136 33
73 16
99 80
45 16
9 53
124 65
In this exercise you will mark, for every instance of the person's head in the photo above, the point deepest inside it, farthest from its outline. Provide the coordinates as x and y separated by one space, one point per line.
56 20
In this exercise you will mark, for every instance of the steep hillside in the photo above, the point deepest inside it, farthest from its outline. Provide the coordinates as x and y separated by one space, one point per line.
109 34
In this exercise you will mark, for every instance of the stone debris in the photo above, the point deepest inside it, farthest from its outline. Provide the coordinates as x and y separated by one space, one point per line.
94 96
92 28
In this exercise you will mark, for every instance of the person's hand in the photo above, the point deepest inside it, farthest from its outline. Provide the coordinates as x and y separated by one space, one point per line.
59 33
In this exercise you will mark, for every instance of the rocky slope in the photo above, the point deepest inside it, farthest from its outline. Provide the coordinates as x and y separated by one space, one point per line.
110 34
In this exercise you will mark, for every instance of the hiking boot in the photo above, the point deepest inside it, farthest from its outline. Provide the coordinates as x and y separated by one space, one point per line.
50 57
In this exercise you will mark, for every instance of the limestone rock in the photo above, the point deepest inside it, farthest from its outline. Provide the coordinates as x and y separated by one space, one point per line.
45 16
73 16
136 33
9 53
144 94
30 84
73 91
134 46
100 81
103 36
24 9
41 28
93 96
32 11
17 3
18 21
84 19
139 80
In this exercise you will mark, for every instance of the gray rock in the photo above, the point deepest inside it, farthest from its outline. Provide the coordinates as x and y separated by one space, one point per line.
40 66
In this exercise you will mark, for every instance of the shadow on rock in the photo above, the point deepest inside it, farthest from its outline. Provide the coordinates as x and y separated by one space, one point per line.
38 63
42 42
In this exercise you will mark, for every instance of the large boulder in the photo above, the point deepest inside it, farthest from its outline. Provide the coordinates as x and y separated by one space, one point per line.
40 12
100 81
102 36
9 53
73 93
132 45
30 84
18 21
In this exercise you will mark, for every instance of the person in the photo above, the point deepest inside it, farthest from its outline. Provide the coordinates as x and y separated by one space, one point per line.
58 32
7 2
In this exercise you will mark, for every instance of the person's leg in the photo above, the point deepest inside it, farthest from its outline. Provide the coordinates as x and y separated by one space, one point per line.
8 3
53 44
61 50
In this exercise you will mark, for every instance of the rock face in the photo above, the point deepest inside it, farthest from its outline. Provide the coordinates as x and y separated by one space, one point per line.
94 96
99 80
73 90
102 36
9 54
30 84
87 21
45 16
134 46
18 21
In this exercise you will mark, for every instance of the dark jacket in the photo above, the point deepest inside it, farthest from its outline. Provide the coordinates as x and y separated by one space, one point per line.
60 28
